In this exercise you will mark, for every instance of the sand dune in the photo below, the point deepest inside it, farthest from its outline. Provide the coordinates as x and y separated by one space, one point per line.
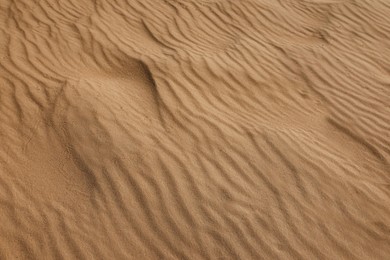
194 129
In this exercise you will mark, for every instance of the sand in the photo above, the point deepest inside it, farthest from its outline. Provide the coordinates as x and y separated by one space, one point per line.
194 129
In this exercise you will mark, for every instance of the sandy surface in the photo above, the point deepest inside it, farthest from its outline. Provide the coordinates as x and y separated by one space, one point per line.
194 129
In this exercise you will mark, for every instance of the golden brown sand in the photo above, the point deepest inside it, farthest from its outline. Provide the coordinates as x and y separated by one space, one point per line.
194 129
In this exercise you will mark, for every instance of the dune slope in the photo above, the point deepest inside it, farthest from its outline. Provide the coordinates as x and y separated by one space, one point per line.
194 129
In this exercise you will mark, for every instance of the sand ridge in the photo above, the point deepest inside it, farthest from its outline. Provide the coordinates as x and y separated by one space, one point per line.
219 129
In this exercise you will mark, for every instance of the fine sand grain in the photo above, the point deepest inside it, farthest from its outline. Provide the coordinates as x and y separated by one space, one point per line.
194 129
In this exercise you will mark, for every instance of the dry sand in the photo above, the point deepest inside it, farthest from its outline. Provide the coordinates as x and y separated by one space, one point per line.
194 129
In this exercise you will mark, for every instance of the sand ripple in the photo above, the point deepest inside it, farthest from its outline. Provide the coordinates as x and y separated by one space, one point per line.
219 129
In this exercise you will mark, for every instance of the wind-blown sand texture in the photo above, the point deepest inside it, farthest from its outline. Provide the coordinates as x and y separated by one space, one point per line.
194 129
